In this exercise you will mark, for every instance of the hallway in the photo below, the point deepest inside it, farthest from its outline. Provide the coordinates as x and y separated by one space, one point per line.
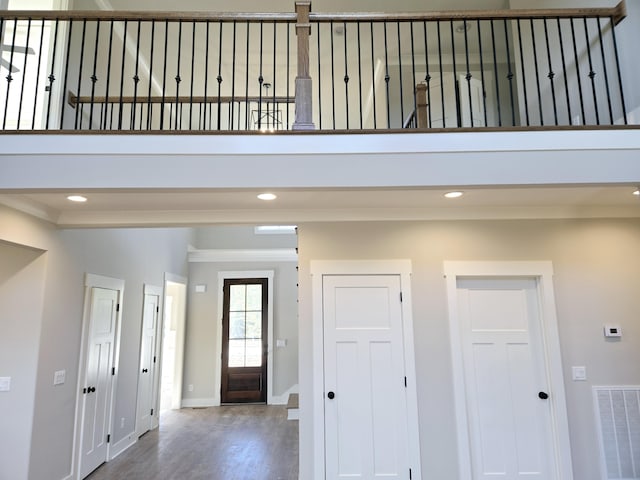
240 442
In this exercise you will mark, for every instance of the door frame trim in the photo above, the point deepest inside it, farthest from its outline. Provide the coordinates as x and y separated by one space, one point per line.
222 276
402 268
109 283
542 272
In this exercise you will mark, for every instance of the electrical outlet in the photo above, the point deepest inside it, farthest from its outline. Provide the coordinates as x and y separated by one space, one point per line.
5 384
59 377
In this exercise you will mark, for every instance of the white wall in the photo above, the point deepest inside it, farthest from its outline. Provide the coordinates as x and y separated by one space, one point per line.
138 257
22 274
596 282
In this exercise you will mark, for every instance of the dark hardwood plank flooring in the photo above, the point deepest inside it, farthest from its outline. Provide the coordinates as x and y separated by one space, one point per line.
239 442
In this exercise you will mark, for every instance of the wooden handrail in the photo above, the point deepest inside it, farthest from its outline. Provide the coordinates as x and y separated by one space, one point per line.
618 13
74 100
107 15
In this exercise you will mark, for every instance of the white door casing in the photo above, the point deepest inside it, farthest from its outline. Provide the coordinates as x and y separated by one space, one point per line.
176 287
505 350
370 428
98 372
147 371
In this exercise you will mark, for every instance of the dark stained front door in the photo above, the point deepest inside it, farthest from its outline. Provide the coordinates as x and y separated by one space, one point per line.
244 341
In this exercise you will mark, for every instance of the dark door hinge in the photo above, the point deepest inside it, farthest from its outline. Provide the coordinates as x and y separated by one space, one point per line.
113 370
400 296
152 411
108 438
118 307
405 382
157 308
154 359
410 475
84 390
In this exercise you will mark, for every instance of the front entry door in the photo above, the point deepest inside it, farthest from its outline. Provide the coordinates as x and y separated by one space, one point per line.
366 432
510 421
244 341
99 379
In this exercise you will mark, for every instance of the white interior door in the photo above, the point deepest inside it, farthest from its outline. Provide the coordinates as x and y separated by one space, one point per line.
509 414
471 102
366 434
148 361
96 418
443 108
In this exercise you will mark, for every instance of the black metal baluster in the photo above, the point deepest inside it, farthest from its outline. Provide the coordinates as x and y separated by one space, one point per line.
615 50
149 103
94 78
246 81
35 99
219 77
136 80
276 112
319 82
164 75
124 57
66 74
111 118
455 73
441 75
400 76
386 76
564 71
360 75
288 75
9 77
605 71
592 73
484 96
525 95
551 74
577 63
468 77
2 40
535 63
108 75
178 78
427 77
24 74
510 74
233 78
346 75
496 77
333 79
84 31
193 62
52 77
260 83
373 79
413 77
202 118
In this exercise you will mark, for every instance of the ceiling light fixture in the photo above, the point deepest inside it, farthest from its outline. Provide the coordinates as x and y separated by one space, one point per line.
454 194
267 196
77 198
463 27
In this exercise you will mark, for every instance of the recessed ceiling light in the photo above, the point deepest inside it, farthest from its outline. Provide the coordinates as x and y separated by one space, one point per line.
453 194
637 191
77 198
267 196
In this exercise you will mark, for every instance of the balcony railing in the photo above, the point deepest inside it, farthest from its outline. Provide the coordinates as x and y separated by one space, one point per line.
131 71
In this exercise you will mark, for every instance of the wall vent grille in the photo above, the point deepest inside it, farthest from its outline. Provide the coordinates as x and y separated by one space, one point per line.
618 412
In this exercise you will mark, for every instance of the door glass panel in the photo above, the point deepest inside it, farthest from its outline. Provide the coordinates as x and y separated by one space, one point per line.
236 353
253 353
254 325
237 298
236 325
254 297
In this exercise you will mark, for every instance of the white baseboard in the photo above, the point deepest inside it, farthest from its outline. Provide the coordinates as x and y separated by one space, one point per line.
284 398
119 447
199 402
68 477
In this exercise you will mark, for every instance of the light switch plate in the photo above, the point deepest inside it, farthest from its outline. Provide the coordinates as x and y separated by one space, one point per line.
201 288
5 384
579 374
59 377
281 342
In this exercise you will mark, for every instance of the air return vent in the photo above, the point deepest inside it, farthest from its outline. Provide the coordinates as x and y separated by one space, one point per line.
618 411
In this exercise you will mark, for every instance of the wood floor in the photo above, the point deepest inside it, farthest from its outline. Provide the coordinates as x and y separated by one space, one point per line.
239 442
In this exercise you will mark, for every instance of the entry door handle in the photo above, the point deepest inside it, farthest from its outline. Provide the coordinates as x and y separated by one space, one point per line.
543 395
331 395
91 389
144 370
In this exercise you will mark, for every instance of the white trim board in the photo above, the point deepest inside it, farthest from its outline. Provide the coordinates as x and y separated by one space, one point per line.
243 255
543 273
320 268
222 276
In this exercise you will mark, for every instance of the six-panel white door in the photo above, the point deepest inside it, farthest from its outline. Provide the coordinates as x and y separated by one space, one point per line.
505 380
365 395
147 372
99 383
